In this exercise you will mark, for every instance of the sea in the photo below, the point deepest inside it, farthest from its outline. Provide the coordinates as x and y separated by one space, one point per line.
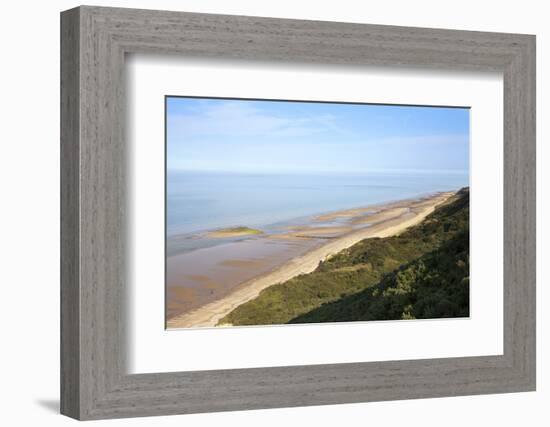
200 201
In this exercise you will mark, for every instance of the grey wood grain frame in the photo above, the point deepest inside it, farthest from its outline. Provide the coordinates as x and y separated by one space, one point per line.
94 380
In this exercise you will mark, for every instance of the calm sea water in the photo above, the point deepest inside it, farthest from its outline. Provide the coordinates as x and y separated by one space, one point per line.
204 201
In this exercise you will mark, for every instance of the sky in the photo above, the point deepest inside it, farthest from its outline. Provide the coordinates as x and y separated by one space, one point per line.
205 134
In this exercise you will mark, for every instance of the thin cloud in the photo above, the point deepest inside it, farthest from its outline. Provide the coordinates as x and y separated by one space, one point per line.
427 139
232 120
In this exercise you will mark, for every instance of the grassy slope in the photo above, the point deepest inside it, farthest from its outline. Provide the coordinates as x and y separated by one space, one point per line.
421 273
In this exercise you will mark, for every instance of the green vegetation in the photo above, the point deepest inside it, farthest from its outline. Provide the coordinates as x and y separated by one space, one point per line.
422 273
234 232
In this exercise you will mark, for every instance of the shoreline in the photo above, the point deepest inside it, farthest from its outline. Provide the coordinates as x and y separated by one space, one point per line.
407 214
270 230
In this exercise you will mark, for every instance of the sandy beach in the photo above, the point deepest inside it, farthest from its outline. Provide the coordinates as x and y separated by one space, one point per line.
374 221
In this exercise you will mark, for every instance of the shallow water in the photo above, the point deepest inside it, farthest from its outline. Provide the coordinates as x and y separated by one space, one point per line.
197 202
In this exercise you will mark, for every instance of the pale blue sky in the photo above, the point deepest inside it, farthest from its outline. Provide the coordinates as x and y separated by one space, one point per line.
302 137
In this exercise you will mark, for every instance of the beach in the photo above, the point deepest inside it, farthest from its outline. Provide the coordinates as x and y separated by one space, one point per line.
237 271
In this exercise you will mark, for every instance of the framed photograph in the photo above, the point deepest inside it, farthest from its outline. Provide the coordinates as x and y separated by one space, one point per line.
262 213
296 212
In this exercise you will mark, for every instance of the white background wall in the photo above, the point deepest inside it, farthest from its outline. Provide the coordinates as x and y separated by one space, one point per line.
29 224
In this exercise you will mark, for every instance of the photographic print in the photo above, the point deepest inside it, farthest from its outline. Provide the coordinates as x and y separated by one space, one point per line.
294 212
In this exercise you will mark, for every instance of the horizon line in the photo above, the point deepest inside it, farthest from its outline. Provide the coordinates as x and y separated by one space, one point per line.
314 172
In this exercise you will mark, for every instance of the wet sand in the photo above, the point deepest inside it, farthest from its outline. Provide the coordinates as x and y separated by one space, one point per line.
212 273
207 284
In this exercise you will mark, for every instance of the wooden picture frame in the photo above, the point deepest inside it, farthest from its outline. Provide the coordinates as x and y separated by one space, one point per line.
94 382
